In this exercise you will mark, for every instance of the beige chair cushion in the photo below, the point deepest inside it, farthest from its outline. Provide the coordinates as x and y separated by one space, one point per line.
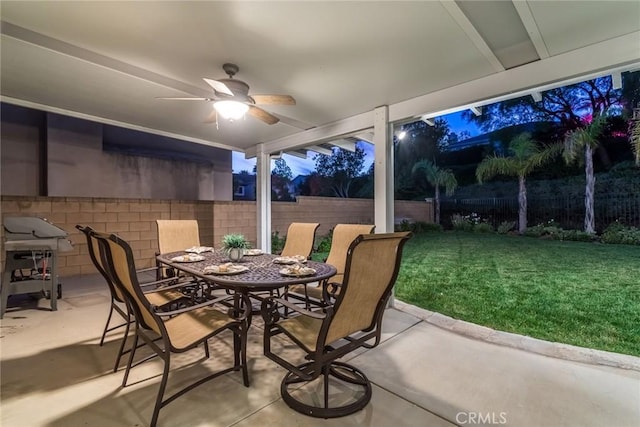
177 234
343 235
300 238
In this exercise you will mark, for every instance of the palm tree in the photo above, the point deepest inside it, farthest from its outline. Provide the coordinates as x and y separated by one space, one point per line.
586 139
525 157
437 178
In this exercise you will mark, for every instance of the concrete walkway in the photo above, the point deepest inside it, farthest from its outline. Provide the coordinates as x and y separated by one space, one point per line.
55 374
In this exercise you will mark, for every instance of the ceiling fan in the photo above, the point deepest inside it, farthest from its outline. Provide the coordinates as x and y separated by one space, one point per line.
231 99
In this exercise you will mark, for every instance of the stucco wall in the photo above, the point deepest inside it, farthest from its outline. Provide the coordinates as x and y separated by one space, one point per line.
134 220
77 165
19 151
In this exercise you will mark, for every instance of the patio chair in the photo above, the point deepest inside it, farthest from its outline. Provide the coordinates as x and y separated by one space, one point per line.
159 298
175 235
175 331
333 331
300 238
343 235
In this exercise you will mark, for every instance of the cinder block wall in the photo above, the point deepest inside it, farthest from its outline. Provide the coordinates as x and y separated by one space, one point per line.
134 220
328 211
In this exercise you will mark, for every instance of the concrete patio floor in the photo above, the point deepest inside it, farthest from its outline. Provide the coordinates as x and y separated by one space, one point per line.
54 373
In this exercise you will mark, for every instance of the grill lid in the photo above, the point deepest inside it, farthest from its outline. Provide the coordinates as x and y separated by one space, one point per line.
30 228
32 233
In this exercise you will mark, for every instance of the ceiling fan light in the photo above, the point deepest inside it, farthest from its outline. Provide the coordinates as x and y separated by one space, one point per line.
231 110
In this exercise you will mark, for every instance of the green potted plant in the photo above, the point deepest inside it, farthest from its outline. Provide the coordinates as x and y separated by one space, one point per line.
234 246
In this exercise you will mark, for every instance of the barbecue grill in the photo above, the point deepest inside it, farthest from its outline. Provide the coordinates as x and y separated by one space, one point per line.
31 258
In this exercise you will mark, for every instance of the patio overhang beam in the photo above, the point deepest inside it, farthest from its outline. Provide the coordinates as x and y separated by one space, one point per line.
320 150
600 59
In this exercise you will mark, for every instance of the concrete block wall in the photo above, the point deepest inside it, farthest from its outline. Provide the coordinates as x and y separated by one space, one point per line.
234 217
134 220
328 211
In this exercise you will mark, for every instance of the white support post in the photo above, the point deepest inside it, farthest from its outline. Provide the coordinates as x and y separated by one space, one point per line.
383 171
383 175
263 198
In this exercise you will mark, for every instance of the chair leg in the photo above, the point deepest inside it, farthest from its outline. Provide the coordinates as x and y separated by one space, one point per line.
163 385
130 362
123 343
243 353
342 372
206 348
106 326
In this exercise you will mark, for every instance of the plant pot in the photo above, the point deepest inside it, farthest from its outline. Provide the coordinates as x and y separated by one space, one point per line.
235 254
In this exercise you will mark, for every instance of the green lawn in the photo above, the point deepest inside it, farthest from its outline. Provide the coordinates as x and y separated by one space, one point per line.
584 294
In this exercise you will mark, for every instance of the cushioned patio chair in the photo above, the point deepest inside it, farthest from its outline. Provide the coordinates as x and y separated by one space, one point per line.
343 235
351 321
159 298
175 331
300 238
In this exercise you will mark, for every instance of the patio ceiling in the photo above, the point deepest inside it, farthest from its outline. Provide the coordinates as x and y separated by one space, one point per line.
109 61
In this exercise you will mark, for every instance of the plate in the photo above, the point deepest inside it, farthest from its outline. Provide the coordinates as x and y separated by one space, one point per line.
289 259
253 252
188 258
198 249
227 268
297 271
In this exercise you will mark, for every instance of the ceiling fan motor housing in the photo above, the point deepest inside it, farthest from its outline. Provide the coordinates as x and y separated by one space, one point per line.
239 88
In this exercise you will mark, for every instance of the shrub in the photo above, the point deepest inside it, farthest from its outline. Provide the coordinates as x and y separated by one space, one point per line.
404 226
483 227
506 226
422 227
277 243
464 222
618 233
324 246
577 235
418 227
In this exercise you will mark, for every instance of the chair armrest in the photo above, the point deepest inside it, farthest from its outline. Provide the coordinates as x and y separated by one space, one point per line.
208 303
329 290
274 302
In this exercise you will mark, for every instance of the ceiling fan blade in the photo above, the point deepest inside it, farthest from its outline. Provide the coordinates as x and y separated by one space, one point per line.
260 114
274 99
212 118
219 87
186 99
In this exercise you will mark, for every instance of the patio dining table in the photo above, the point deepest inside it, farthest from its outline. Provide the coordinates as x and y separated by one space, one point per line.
261 274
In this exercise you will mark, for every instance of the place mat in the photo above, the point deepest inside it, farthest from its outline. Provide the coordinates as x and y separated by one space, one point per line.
289 259
297 271
225 269
199 249
188 258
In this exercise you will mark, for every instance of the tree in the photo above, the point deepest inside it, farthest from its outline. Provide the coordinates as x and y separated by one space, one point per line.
437 178
281 177
422 142
586 139
525 157
566 105
339 170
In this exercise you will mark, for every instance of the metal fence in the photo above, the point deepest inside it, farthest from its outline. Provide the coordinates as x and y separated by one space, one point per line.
567 212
